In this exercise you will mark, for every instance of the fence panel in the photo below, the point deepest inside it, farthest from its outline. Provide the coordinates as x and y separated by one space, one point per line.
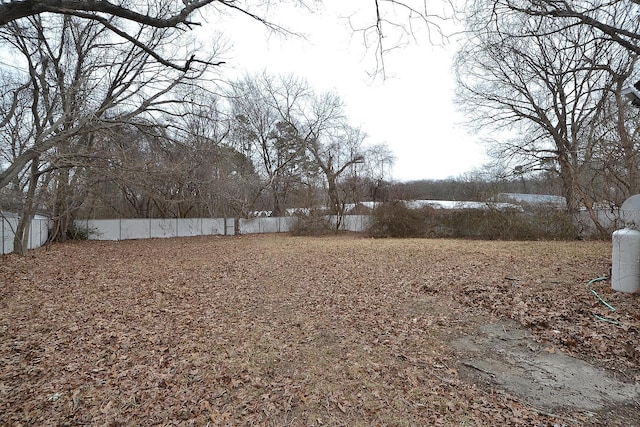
266 225
229 226
8 230
135 229
214 226
287 223
163 228
185 227
249 225
38 232
102 229
123 229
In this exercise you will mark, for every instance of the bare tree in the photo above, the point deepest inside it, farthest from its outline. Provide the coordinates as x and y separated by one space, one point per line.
127 20
164 16
615 170
269 120
379 162
386 25
547 83
183 168
79 81
295 136
221 177
337 153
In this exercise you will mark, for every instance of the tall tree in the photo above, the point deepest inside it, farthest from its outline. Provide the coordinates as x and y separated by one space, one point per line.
295 135
379 162
167 19
338 152
269 112
615 169
543 81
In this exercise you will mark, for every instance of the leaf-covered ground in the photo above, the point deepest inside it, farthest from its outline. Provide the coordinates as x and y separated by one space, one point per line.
279 330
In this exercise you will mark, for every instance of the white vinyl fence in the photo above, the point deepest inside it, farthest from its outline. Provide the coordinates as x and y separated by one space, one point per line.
123 229
148 228
38 232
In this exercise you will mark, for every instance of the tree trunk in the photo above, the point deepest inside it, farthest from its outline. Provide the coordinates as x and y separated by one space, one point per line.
334 199
21 237
61 214
277 208
575 194
568 179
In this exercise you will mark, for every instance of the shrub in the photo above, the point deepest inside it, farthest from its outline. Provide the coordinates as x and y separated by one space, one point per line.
394 219
313 224
494 224
74 232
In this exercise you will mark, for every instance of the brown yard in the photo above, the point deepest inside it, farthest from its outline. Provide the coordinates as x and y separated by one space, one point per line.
279 330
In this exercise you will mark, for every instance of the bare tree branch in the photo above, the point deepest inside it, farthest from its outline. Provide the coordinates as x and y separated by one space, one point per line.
13 10
605 16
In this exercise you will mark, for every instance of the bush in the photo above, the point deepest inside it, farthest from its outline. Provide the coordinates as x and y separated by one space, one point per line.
313 224
74 232
394 219
494 224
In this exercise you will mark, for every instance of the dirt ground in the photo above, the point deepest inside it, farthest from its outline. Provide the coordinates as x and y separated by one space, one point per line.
279 330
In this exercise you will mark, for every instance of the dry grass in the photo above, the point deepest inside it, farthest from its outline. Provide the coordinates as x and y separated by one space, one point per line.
278 330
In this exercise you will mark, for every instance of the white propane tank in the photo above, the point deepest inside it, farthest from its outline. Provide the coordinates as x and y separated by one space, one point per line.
625 260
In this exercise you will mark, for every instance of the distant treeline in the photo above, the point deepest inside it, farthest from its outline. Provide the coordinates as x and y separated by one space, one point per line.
472 188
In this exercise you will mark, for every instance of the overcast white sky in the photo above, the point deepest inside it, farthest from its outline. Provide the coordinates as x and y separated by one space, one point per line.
411 110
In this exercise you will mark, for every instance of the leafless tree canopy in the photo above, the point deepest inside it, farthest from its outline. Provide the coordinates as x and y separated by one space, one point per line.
549 87
130 17
300 141
615 20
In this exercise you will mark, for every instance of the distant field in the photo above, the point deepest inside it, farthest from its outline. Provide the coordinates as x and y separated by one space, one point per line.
279 330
